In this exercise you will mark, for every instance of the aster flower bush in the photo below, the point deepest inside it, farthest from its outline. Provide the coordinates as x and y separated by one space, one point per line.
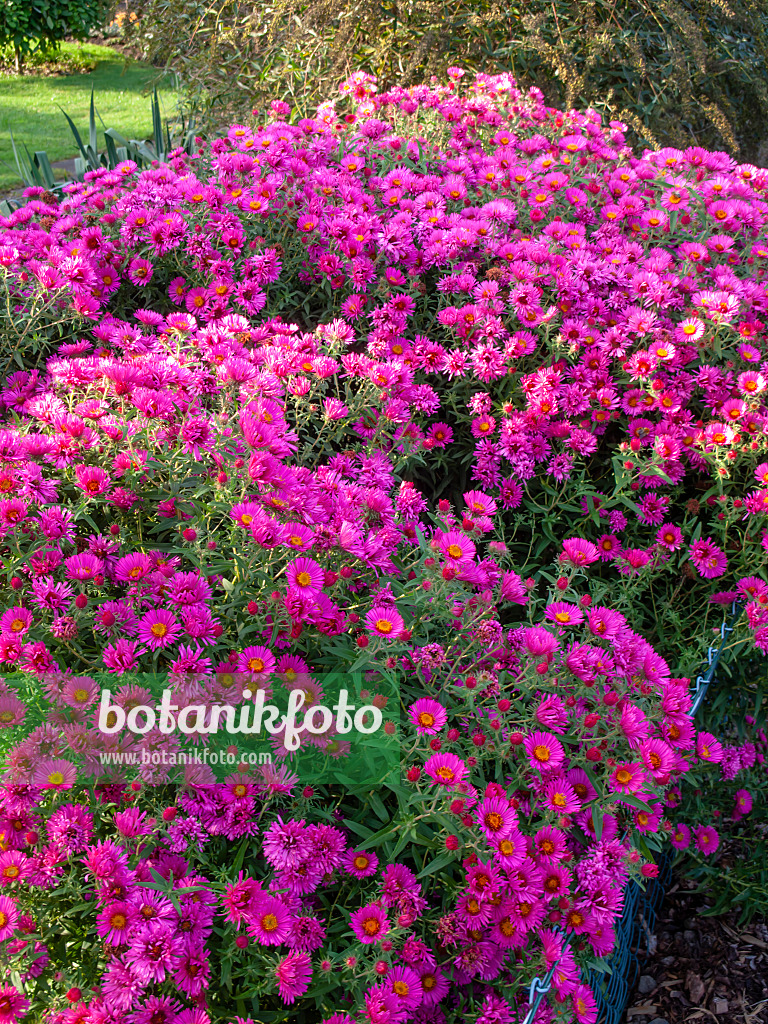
441 386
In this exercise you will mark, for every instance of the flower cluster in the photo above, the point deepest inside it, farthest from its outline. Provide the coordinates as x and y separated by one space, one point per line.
449 388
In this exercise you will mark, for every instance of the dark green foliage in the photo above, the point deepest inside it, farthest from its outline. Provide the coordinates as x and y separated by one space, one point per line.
30 25
679 72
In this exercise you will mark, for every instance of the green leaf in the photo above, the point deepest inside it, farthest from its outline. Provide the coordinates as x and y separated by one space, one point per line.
627 798
378 806
92 126
439 862
597 820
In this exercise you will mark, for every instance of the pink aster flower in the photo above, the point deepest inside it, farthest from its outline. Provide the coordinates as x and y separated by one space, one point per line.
742 797
604 622
584 1005
560 796
513 589
385 622
55 773
544 751
244 512
429 716
681 837
626 778
83 567
563 613
707 839
479 503
159 628
256 659
669 536
496 818
578 552
457 547
306 576
9 919
79 692
370 924
293 974
360 863
440 434
140 271
13 1005
708 559
446 770
298 537
550 844
405 985
152 952
133 567
658 757
539 642
609 546
114 923
14 865
15 621
270 923
122 656
708 748
92 480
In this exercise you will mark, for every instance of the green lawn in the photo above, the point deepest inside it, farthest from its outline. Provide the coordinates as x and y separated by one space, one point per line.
29 107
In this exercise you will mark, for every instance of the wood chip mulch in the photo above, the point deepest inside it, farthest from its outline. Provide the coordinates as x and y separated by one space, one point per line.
706 969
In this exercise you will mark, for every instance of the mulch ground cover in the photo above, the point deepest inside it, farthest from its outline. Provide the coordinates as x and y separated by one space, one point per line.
701 968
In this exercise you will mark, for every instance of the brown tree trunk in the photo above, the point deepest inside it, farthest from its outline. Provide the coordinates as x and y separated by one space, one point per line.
18 59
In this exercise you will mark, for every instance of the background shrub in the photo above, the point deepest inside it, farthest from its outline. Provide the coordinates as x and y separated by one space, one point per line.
678 72
30 25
